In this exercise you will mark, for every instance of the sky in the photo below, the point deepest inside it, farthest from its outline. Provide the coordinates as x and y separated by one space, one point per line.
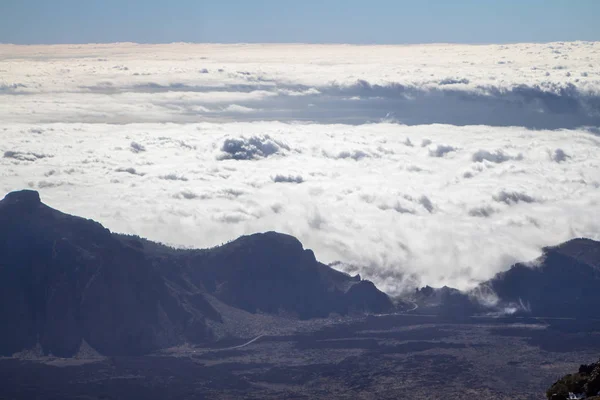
307 21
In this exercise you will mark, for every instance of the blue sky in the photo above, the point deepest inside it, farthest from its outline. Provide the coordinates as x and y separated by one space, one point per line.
308 21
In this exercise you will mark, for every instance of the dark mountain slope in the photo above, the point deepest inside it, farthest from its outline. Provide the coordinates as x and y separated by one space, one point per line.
446 301
272 273
65 279
564 282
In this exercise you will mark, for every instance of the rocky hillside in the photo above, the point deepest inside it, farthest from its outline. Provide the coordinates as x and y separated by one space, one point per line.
67 281
563 282
272 273
585 384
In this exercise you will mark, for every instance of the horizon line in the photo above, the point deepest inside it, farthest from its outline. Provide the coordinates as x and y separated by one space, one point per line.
302 43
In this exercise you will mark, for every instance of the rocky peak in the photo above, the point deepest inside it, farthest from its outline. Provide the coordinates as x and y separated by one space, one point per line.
25 198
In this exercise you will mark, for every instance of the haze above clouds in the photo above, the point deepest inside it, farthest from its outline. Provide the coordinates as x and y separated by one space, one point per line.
432 164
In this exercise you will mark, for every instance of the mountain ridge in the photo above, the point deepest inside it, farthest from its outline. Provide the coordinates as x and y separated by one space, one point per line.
561 283
70 280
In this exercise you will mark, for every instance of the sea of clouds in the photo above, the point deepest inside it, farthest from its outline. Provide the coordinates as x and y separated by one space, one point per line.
411 165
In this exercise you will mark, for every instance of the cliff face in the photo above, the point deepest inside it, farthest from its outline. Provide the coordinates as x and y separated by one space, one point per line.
65 279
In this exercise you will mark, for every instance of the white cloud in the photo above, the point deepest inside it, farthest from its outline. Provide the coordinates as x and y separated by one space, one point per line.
441 150
486 211
496 157
350 84
396 224
514 197
269 139
250 148
426 203
136 147
288 178
559 155
238 109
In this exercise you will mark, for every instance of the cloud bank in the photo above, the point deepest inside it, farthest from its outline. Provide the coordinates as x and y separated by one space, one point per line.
437 164
398 216
528 85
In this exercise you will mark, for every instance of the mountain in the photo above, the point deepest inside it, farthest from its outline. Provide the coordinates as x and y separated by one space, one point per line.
563 282
272 273
66 281
446 301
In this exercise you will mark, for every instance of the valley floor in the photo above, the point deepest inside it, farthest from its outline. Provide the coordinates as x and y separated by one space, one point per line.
377 357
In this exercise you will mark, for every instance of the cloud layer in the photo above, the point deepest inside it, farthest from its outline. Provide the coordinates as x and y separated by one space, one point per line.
542 86
341 146
396 214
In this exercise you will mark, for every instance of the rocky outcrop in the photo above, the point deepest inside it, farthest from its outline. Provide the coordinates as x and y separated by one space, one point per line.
585 384
446 301
65 281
